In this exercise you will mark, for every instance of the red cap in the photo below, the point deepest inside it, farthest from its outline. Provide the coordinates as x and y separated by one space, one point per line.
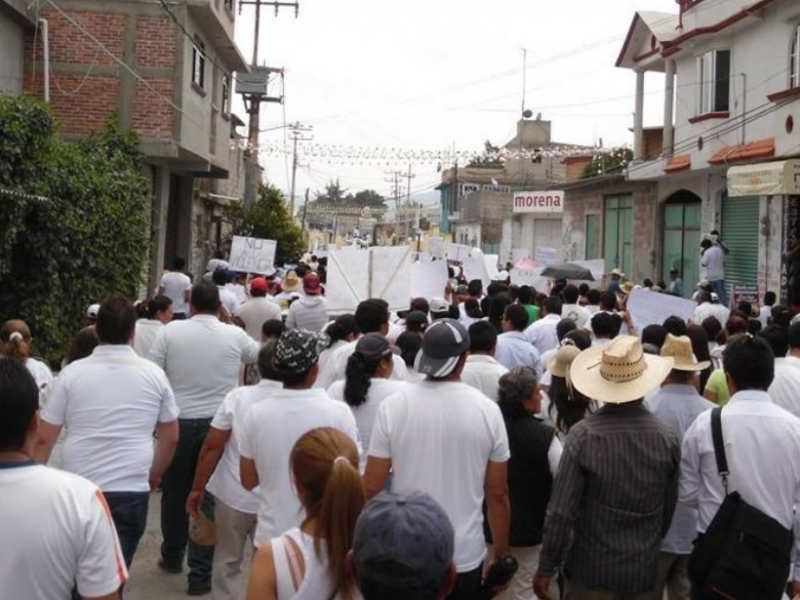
258 286
311 284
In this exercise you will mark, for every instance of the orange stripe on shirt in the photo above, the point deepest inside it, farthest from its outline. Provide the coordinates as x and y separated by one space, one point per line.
120 564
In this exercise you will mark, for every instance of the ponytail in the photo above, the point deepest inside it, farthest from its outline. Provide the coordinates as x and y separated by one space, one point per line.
357 378
16 339
343 327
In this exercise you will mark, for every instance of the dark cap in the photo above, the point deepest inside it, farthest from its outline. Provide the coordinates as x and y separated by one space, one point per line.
445 341
416 321
373 346
403 529
297 350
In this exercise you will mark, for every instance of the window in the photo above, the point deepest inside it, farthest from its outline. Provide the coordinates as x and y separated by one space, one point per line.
714 74
198 62
618 232
226 94
794 60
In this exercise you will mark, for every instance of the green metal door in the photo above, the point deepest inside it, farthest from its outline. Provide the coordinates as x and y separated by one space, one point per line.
740 223
682 243
618 233
591 237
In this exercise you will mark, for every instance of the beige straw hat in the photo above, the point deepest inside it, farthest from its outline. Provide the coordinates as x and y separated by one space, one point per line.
619 372
558 365
680 349
202 531
291 283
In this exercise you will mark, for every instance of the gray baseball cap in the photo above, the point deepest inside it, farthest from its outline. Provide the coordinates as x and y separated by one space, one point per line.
408 530
444 342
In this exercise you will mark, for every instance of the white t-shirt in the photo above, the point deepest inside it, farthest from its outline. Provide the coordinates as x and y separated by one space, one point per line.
713 263
577 313
40 371
440 437
228 299
175 285
483 373
255 312
270 430
201 357
785 387
226 481
146 333
708 309
57 532
109 403
379 390
336 366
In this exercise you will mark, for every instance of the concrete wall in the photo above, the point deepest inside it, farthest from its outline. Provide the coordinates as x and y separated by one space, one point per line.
12 44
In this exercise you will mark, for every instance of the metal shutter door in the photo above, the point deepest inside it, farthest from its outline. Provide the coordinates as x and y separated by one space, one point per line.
740 224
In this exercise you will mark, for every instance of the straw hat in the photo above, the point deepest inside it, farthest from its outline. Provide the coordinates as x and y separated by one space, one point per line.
291 283
627 287
680 349
619 372
558 365
617 272
202 531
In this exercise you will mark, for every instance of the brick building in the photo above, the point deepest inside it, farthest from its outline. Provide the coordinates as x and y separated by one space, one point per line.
166 71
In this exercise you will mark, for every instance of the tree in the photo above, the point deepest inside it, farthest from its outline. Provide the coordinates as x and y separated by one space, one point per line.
605 163
490 159
268 219
333 194
369 198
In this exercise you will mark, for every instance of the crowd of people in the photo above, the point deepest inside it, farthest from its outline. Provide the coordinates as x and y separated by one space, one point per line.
404 454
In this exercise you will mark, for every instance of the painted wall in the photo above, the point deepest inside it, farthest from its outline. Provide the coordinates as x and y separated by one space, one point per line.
12 44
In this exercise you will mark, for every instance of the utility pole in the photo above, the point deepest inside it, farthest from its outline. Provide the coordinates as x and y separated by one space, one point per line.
394 179
409 177
296 131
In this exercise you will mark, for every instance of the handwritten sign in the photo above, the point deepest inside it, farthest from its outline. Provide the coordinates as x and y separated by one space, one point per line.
356 274
458 252
252 255
651 308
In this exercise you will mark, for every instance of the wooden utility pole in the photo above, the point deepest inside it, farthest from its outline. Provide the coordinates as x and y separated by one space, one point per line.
409 177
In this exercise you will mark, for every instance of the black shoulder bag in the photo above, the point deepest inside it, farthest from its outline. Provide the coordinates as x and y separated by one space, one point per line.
744 554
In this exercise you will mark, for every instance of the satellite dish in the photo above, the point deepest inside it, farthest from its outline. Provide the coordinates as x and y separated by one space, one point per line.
527 113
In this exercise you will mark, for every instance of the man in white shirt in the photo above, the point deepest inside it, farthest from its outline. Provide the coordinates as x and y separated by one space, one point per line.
270 430
372 316
762 443
571 309
542 333
712 262
227 298
785 387
513 348
235 508
481 370
201 357
56 529
706 308
448 440
177 286
310 311
110 404
258 309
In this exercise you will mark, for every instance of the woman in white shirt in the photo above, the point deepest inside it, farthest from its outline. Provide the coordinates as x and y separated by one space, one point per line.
308 562
15 344
157 314
342 331
367 384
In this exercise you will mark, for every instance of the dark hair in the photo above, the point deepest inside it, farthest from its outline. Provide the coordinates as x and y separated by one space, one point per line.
371 315
648 283
341 328
497 306
205 298
703 297
563 327
782 315
82 345
706 244
178 263
553 305
420 304
754 326
654 334
745 307
568 403
514 388
266 360
19 401
517 315
736 324
603 325
19 348
570 294
475 288
409 344
496 287
220 276
156 305
749 362
482 337
699 337
272 328
593 296
583 289
778 339
793 336
539 298
769 298
116 321
293 378
473 308
675 325
608 301
713 327
580 337
525 294
373 590
358 374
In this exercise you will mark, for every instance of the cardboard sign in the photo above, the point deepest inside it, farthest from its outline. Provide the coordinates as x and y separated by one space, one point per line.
428 279
436 247
458 252
356 274
652 308
252 255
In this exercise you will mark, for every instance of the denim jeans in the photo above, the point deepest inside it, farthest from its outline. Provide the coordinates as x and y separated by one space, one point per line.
176 485
129 512
719 289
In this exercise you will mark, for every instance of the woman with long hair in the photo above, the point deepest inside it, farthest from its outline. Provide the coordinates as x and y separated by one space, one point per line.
567 405
308 562
367 384
341 331
157 313
15 344
699 338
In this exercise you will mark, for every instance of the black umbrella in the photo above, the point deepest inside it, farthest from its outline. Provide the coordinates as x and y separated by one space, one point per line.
568 271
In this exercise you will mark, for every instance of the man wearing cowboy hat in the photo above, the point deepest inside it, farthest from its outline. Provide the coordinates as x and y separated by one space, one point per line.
678 404
617 485
614 281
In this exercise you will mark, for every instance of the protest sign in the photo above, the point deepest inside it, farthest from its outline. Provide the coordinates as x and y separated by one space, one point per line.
744 293
356 274
545 256
428 279
252 255
475 268
436 247
458 252
652 308
597 267
491 264
530 277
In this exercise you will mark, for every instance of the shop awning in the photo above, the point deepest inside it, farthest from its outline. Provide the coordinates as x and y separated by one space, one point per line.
765 179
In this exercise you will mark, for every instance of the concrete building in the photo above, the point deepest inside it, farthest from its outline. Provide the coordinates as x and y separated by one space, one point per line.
17 18
732 83
166 72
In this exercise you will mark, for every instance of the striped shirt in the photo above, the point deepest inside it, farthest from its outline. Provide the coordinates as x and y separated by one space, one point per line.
613 500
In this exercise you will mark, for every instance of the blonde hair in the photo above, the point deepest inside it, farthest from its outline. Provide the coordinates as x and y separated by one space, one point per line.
324 462
16 347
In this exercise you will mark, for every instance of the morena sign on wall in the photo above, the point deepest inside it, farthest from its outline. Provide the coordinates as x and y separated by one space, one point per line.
551 201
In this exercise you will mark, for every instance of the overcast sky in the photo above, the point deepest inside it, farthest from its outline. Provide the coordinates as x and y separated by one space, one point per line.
430 75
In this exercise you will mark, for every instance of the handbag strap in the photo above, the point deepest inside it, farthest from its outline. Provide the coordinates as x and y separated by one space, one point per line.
719 446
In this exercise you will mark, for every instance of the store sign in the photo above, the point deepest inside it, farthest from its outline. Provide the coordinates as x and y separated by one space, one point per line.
765 179
550 201
791 222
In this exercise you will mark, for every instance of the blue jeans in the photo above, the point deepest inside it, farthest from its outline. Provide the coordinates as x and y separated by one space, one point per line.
719 289
176 485
129 512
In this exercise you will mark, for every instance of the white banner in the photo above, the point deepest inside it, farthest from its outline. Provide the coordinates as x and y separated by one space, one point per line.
597 267
252 255
458 252
545 256
530 277
652 308
428 279
356 274
551 201
436 247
